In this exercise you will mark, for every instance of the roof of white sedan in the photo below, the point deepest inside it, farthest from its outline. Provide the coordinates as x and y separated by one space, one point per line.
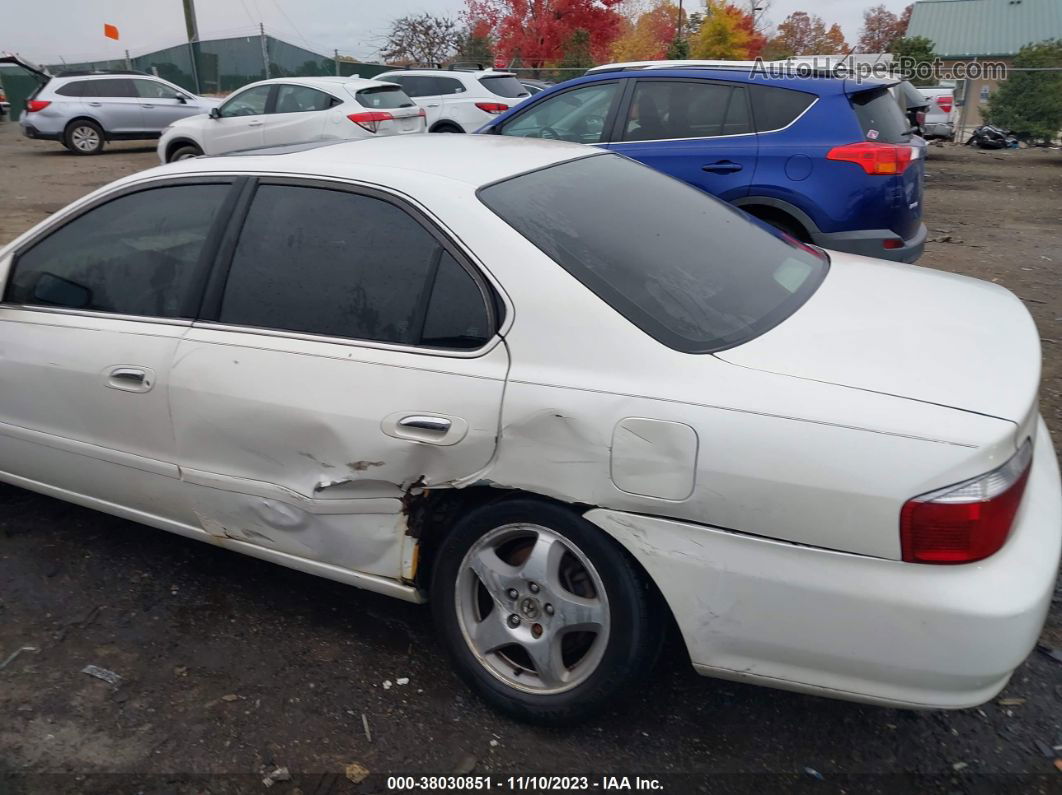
324 81
472 159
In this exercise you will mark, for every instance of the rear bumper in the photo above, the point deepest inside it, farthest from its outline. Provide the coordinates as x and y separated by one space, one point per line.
30 131
853 627
939 129
870 243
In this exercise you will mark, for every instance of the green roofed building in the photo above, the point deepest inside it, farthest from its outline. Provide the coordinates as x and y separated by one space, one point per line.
983 30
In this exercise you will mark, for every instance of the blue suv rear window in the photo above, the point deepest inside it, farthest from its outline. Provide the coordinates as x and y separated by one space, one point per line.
688 269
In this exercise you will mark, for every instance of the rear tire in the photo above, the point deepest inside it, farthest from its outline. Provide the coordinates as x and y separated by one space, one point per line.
447 128
83 137
184 152
585 622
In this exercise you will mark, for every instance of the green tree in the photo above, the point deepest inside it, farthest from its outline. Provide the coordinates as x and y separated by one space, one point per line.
1030 103
475 47
577 50
678 50
915 56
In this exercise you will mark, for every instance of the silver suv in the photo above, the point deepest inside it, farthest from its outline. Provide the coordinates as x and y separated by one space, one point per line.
83 110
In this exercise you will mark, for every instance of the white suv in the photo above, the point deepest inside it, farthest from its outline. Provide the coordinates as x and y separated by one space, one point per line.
294 110
459 101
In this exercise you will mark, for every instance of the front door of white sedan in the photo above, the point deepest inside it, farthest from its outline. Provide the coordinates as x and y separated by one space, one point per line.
238 123
346 359
93 310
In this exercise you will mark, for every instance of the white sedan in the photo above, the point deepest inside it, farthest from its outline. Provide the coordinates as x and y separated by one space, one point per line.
563 396
294 110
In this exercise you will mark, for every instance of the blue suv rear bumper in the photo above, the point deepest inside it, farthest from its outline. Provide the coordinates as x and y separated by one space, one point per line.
871 243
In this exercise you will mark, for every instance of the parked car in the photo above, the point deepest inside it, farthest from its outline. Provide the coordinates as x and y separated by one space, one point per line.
352 360
940 112
459 101
829 160
4 105
913 105
84 110
291 110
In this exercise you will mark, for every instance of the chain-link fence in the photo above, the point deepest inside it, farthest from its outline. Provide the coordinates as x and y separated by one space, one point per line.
218 66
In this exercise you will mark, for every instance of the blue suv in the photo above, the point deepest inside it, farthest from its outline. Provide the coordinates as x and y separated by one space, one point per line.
830 160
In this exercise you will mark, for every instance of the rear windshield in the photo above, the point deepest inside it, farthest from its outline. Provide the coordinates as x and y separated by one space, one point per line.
880 116
383 97
505 86
686 268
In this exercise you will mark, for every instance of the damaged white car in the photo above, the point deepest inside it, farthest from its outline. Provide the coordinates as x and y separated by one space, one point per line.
561 394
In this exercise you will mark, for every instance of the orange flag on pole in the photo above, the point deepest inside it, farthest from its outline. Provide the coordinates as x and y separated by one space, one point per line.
111 31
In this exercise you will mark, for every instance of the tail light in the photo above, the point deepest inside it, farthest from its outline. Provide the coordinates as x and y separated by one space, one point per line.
875 158
492 107
945 103
34 105
370 120
968 521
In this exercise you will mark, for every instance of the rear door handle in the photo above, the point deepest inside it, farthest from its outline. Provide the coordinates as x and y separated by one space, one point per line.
425 428
433 104
254 124
130 378
722 167
95 104
147 106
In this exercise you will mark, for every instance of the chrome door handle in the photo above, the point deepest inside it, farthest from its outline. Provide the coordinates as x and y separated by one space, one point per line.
433 104
426 423
130 379
254 124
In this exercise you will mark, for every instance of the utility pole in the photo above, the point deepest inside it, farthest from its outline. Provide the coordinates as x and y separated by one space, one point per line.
128 63
265 50
335 57
192 27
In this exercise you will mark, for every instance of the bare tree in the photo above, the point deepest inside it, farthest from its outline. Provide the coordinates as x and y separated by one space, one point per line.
421 39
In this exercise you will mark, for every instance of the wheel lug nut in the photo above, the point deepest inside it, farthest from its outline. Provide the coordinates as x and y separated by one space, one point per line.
533 587
512 593
514 620
549 610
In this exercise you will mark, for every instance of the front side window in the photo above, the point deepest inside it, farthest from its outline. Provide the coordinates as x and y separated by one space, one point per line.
663 109
135 255
341 264
578 115
251 102
689 270
302 99
149 89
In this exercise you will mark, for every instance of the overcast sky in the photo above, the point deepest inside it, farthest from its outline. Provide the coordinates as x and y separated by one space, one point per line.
45 30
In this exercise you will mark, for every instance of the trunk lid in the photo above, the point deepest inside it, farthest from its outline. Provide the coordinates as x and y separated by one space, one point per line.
911 332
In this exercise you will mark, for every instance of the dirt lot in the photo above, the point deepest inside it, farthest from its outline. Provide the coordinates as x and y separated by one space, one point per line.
234 666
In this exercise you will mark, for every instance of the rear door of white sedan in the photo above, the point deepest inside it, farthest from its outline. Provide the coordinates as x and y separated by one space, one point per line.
93 309
346 358
299 115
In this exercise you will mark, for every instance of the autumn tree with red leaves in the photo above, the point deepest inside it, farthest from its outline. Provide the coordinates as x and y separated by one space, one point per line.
801 33
881 28
540 32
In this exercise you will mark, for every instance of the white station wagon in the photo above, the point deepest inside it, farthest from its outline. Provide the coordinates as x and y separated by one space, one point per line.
560 394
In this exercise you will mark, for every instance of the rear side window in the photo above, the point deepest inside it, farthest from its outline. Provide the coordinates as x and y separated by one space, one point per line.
880 116
135 255
689 270
108 88
663 109
775 108
75 89
345 265
417 85
301 99
505 86
383 97
149 89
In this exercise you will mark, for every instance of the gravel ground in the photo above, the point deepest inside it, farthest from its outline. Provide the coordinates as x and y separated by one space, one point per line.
231 667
